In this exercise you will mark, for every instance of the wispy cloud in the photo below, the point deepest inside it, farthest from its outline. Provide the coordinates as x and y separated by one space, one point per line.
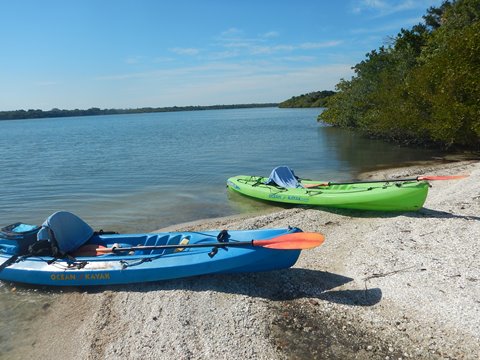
256 85
133 60
258 50
185 51
162 59
270 34
361 6
234 65
199 70
221 55
392 26
318 45
235 38
382 8
46 83
265 44
227 83
231 32
242 77
300 58
290 48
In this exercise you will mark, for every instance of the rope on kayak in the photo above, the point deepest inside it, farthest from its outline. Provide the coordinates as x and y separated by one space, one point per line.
257 180
125 264
313 192
70 264
254 179
278 190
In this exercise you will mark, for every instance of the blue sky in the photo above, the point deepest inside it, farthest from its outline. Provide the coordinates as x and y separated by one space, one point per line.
134 53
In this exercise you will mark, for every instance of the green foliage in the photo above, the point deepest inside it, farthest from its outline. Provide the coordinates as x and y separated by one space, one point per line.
424 88
313 99
447 84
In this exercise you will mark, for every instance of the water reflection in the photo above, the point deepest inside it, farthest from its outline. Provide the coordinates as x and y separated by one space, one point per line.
364 154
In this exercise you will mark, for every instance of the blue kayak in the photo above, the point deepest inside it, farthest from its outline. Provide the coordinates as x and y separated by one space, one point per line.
144 259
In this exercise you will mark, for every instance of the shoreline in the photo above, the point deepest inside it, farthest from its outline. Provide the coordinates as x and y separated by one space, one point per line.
396 285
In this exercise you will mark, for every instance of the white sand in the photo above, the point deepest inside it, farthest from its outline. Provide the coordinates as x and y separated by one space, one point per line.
382 286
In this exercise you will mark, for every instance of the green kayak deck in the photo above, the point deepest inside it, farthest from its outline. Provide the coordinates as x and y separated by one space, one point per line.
383 196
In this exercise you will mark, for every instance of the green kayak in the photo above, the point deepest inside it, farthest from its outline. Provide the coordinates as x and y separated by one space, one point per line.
379 196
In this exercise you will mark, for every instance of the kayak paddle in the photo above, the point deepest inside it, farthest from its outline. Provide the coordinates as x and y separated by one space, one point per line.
293 241
418 178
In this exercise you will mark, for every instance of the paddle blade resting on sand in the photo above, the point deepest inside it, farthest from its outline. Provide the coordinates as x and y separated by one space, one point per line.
444 177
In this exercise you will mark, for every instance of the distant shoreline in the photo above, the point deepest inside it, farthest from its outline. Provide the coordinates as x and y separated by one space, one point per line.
55 113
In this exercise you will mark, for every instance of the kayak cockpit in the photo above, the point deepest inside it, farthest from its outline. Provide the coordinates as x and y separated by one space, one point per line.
135 240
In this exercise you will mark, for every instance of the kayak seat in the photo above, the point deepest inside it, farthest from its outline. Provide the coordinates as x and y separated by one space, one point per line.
66 231
173 240
161 240
284 177
157 240
153 240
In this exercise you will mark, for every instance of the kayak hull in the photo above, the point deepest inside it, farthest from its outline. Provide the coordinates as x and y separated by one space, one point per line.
388 196
152 265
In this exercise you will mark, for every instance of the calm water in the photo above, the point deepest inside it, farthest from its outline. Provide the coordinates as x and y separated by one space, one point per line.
136 173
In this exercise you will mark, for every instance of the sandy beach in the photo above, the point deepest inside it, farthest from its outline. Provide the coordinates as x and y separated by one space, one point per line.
383 286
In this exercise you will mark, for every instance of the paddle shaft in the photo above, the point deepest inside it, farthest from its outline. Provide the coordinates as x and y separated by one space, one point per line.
176 246
291 241
372 181
418 178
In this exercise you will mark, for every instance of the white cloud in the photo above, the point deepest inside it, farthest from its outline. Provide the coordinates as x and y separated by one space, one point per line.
318 45
133 60
46 83
375 4
208 84
231 32
363 5
162 59
258 50
185 51
270 34
300 58
238 45
389 7
222 83
392 26
253 85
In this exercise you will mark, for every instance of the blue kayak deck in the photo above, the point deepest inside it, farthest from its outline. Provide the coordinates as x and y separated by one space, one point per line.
151 265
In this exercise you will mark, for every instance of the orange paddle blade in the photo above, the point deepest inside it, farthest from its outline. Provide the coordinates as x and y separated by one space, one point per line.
294 241
444 177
